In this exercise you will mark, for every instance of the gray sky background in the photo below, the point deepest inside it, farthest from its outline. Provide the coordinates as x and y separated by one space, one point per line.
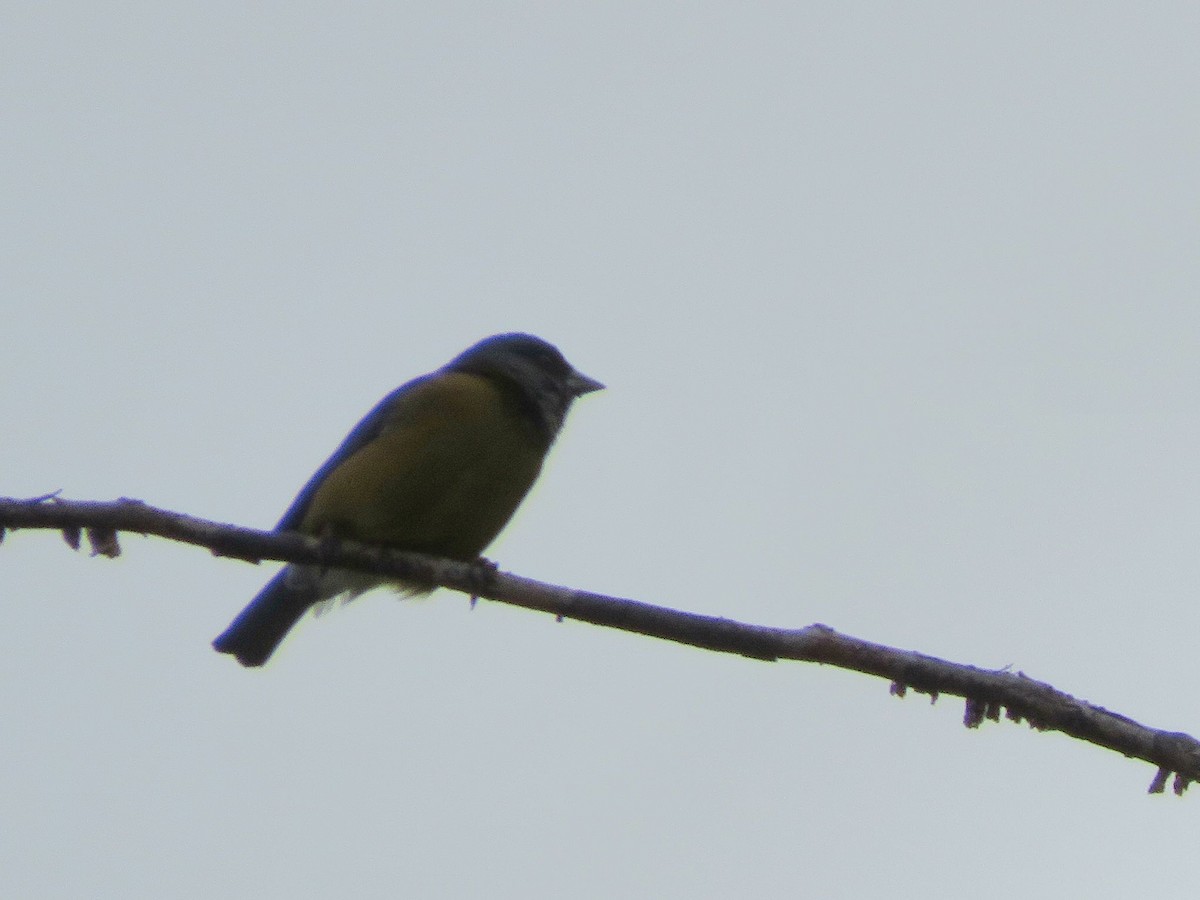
898 308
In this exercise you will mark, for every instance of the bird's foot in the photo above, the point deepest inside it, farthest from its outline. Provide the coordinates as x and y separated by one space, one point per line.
483 576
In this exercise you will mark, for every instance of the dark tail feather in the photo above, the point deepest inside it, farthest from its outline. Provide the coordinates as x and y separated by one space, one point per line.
259 628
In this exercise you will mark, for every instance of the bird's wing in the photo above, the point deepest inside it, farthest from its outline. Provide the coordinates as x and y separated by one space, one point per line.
361 435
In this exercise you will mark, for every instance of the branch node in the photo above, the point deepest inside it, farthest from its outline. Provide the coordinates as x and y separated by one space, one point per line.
973 712
71 534
103 542
1159 784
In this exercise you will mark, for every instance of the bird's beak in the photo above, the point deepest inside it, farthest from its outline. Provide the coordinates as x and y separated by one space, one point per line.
579 384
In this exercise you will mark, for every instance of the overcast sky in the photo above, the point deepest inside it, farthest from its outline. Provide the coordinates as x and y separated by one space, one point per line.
899 310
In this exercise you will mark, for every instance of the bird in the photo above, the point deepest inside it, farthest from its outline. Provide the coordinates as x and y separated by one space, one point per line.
438 466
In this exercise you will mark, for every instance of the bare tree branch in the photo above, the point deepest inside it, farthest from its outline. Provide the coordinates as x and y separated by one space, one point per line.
988 693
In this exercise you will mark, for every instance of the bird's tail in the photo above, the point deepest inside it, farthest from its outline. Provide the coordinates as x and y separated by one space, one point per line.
260 627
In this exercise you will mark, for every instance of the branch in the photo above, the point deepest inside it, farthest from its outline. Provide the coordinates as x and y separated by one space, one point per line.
988 693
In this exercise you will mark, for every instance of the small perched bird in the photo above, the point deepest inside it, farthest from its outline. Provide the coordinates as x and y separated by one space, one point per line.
439 466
